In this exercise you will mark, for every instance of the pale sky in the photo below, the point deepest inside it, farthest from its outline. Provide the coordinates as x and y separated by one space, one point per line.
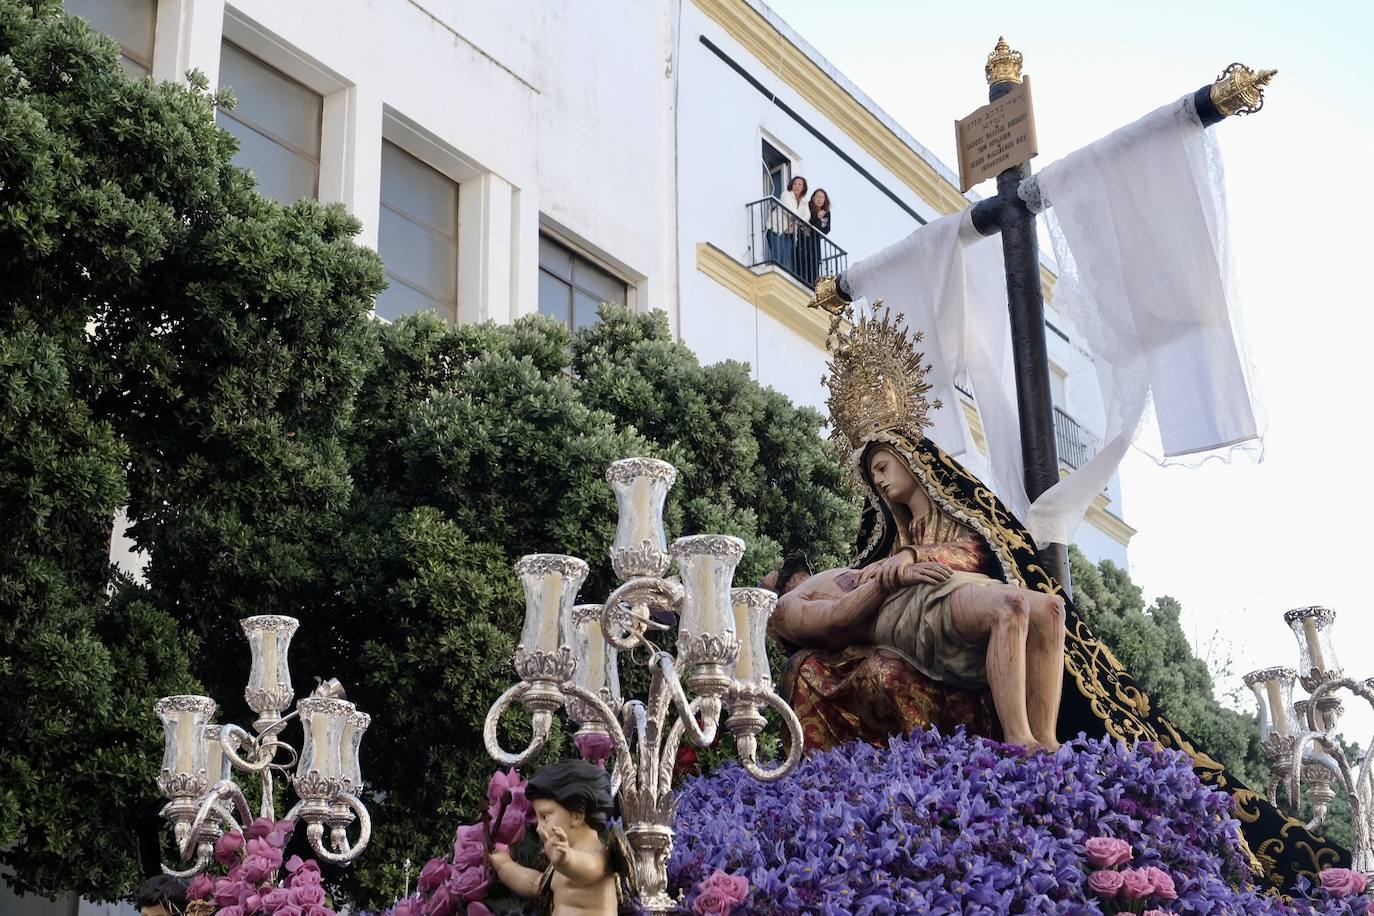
1237 544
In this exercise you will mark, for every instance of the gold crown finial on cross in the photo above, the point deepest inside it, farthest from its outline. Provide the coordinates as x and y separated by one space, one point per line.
1004 64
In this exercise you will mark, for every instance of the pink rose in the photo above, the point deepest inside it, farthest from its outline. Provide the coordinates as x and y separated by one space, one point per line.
594 747
734 887
286 909
1136 884
227 848
501 783
435 873
306 895
1106 852
260 828
441 903
411 906
202 888
256 868
229 911
1162 883
470 884
1155 913
264 849
478 909
275 899
468 855
712 903
1105 883
227 892
1343 882
318 909
518 813
306 876
281 832
252 903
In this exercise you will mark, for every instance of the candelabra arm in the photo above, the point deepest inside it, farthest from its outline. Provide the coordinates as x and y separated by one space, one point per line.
230 739
203 855
622 774
665 674
748 743
667 760
636 593
634 721
223 789
541 724
315 834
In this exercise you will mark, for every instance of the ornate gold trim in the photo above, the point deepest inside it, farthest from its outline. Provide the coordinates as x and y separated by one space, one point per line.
777 295
1004 64
771 49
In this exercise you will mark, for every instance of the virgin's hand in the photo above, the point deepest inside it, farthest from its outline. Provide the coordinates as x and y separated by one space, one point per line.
921 573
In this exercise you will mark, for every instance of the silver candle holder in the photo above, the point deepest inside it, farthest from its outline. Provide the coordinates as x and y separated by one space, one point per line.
721 659
200 758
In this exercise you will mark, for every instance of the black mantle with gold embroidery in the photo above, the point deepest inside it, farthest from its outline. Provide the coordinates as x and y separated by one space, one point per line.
1100 696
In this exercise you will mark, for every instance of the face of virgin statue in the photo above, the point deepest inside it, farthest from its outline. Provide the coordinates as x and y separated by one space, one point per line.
890 475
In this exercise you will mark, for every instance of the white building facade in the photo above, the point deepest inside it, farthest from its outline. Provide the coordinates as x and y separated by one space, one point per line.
507 159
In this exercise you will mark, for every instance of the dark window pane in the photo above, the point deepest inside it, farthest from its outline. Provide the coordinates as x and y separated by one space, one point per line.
596 282
584 309
271 101
556 259
129 22
281 174
399 299
554 297
419 254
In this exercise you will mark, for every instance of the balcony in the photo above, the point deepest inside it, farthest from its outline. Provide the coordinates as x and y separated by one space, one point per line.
1076 445
777 237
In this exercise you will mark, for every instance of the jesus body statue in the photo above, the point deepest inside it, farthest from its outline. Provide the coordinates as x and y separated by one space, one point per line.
932 601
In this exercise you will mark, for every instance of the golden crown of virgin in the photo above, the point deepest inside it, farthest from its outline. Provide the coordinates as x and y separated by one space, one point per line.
876 377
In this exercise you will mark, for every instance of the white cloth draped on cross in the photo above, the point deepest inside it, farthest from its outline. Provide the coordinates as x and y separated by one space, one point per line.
1138 222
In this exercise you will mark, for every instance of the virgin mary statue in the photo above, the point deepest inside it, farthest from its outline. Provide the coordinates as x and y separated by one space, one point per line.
895 641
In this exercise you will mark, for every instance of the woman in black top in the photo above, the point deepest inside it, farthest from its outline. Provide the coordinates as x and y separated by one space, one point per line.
811 264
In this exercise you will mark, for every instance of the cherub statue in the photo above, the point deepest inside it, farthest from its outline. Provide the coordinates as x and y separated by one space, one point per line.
572 801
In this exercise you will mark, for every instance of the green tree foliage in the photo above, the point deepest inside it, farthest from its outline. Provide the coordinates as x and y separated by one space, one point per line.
173 343
1150 643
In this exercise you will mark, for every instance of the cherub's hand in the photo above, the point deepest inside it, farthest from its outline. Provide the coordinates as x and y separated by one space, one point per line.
556 846
499 858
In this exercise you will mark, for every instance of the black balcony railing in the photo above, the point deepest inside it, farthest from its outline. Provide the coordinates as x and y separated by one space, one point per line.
778 236
1076 445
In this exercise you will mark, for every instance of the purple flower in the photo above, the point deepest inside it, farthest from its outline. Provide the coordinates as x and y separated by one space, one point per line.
470 883
477 908
227 848
275 899
1342 882
202 887
594 746
435 873
307 895
1106 852
260 828
1105 883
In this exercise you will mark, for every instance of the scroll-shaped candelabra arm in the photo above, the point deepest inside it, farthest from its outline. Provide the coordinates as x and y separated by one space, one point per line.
224 789
746 722
667 690
345 853
625 630
540 726
204 853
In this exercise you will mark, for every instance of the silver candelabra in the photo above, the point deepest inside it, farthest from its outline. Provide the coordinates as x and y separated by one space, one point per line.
1298 737
200 758
568 657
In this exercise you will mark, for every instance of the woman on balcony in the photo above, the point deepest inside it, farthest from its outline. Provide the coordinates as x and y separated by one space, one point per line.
785 225
811 258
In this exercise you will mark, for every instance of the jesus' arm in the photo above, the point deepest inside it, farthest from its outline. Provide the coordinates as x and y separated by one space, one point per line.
828 617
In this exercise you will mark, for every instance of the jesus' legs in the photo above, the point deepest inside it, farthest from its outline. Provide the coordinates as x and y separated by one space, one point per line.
1045 666
1002 619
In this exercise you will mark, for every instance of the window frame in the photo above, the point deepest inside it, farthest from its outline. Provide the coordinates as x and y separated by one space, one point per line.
316 159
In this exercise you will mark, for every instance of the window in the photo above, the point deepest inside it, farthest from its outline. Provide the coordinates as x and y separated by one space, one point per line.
1058 380
129 22
277 124
417 237
571 287
777 169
